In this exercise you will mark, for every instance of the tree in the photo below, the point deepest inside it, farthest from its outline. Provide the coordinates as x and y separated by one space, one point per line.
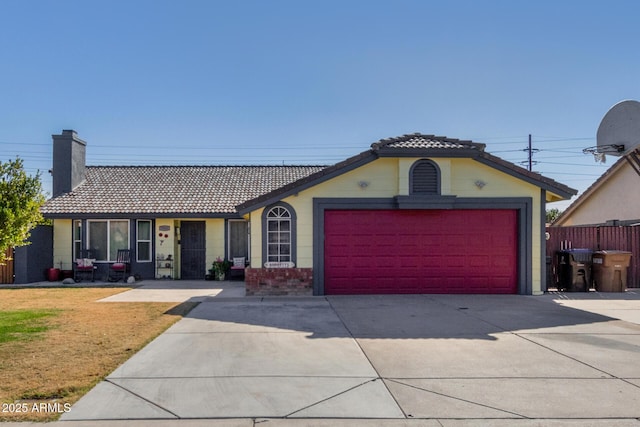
21 197
552 214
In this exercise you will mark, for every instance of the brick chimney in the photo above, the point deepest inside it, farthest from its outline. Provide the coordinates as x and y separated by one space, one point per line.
69 156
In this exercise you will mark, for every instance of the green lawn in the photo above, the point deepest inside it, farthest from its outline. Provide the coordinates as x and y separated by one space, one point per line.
23 325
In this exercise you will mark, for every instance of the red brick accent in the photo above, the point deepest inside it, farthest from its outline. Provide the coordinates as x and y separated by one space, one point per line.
278 281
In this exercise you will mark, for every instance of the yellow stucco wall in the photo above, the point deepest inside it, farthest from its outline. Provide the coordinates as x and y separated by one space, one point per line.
389 177
215 240
255 241
165 245
63 244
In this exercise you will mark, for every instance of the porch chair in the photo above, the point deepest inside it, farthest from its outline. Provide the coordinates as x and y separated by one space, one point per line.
119 269
84 267
237 269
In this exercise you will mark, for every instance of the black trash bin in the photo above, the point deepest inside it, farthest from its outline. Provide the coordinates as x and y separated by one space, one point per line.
574 270
549 279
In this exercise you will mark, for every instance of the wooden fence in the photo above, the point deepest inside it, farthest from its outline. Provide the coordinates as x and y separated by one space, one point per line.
6 270
598 238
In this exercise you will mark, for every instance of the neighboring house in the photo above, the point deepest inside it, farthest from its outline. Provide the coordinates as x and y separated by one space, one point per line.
413 214
611 200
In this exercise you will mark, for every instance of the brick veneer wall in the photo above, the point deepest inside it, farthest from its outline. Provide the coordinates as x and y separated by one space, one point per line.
278 281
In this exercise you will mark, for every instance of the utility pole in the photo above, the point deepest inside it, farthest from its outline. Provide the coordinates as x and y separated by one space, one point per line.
530 150
530 155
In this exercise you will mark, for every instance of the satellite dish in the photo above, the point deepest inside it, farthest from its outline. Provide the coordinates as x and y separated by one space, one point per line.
619 130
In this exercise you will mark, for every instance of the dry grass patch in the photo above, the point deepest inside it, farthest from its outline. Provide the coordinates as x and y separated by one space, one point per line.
75 345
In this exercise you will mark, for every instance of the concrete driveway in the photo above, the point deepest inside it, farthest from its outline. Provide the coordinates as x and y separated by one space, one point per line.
436 360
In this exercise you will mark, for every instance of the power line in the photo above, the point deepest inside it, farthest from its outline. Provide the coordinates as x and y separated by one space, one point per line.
569 173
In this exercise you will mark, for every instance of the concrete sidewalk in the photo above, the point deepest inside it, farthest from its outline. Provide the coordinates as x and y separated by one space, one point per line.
420 360
154 290
179 291
338 422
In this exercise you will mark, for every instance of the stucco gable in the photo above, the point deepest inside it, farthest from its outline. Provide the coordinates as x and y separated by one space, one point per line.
611 197
415 146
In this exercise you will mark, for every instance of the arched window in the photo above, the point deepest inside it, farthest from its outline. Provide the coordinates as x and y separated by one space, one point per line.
424 178
279 222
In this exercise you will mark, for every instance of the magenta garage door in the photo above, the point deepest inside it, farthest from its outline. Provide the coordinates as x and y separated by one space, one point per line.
420 251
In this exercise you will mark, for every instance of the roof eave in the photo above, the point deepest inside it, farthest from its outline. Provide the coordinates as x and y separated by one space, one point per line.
561 190
140 215
589 191
307 182
552 197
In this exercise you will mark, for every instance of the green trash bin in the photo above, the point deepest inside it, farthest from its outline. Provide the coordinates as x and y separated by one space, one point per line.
610 270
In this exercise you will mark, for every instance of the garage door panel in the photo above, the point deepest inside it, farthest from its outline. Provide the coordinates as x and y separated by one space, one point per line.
478 260
420 251
412 263
457 241
500 261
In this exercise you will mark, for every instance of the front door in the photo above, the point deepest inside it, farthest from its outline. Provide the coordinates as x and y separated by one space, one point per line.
192 250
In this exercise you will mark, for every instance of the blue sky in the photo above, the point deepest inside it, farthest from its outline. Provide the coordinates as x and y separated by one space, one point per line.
312 82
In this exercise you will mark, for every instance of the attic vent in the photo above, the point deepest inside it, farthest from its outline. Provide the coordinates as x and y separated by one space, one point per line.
424 178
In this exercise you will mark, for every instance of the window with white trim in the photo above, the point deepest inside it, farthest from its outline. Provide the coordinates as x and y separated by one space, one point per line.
77 239
279 234
105 237
143 240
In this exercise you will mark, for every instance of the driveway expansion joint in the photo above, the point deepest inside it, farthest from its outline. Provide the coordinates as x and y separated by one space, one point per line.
565 355
331 397
142 398
457 398
395 400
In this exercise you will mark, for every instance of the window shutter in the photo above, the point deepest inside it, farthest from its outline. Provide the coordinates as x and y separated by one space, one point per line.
425 178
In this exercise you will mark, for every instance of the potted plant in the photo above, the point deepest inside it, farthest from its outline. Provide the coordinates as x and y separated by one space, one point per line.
219 268
53 274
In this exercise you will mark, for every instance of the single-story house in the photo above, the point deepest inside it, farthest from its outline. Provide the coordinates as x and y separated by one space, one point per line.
412 214
611 200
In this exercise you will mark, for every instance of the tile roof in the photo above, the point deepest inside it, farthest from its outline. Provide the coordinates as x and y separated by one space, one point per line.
227 190
172 189
420 141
